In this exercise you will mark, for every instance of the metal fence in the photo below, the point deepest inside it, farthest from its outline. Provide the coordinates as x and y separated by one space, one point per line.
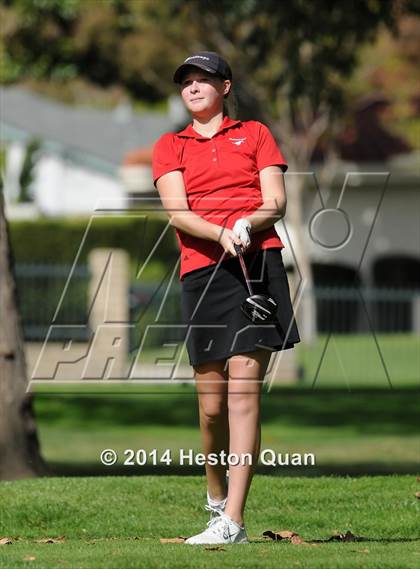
40 288
152 304
352 310
339 310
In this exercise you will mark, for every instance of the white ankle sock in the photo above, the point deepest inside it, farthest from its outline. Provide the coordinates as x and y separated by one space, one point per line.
214 502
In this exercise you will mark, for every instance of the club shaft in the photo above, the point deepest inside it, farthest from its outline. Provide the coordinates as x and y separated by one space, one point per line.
244 269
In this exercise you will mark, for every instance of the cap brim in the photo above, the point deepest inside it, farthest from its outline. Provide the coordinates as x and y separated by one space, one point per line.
178 73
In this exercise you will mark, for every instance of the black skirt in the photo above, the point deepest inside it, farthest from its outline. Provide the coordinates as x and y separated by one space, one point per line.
211 308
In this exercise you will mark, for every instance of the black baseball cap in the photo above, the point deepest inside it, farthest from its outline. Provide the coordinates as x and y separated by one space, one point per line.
210 61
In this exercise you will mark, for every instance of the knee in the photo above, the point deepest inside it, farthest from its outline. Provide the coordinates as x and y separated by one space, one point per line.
214 410
243 404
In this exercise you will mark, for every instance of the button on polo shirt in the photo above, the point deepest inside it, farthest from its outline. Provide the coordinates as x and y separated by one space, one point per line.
221 178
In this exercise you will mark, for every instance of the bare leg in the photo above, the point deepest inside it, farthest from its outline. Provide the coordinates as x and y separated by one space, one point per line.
211 383
246 375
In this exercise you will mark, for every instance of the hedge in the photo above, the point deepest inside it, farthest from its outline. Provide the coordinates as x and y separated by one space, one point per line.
58 240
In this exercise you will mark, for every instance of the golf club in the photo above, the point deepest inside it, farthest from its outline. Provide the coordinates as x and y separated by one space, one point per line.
257 307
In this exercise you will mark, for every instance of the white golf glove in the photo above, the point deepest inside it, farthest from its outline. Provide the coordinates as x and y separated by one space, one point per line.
242 229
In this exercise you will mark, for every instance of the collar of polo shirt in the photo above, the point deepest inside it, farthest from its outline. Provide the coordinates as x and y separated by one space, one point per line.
189 132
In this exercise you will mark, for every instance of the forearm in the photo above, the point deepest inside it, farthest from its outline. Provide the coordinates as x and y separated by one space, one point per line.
266 215
191 223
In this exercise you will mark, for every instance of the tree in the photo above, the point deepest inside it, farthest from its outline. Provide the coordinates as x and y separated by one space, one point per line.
27 173
57 42
19 448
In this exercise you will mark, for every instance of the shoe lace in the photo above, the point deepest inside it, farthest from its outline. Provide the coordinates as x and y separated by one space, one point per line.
214 511
217 525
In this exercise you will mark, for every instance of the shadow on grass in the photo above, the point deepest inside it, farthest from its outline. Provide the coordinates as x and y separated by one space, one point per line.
371 539
357 540
365 410
353 469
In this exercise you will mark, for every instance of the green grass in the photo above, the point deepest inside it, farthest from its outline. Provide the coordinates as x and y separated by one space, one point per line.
356 360
358 432
116 522
113 521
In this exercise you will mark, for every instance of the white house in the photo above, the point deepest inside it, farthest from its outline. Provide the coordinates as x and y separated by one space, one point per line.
81 152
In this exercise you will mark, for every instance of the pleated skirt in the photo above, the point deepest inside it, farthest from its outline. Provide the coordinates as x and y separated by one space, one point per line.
211 299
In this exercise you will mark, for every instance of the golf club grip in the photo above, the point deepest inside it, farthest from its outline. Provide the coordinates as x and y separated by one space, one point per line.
244 269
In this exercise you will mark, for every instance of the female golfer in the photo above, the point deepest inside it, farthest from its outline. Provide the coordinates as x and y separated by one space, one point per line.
221 182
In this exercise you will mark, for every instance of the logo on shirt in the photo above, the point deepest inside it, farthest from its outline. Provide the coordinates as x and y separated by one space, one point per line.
238 141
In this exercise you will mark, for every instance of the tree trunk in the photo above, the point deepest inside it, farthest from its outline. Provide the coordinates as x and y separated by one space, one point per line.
306 311
299 146
19 448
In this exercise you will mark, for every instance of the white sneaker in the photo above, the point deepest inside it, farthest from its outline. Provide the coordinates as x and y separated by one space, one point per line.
222 530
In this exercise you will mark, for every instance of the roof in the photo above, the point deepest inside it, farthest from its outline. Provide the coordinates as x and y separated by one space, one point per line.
101 137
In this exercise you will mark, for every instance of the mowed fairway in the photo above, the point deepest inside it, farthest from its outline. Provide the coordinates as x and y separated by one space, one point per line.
117 522
117 518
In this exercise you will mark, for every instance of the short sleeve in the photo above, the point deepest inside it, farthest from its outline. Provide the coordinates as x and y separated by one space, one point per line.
165 156
268 153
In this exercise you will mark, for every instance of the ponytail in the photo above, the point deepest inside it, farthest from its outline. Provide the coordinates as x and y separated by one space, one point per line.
230 105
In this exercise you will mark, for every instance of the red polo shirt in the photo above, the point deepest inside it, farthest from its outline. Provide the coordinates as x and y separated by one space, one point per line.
221 177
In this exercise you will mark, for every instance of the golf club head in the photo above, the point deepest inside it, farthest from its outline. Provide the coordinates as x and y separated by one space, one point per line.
259 308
